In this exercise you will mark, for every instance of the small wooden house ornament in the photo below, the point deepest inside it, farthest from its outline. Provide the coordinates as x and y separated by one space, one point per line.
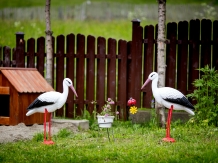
18 89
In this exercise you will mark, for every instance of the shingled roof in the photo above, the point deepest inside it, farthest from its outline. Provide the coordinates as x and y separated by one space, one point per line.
26 80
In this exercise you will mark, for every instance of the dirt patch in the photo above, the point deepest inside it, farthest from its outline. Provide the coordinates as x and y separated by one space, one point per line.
23 132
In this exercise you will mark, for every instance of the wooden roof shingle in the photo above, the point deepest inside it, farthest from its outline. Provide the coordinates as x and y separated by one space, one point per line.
26 80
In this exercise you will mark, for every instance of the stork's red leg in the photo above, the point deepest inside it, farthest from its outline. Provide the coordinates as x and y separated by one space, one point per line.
167 127
48 142
45 114
168 138
170 120
50 126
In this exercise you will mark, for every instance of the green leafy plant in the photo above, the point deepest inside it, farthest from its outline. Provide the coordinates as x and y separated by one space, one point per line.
206 97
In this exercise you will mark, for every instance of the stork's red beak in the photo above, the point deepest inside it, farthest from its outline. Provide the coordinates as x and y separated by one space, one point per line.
146 82
74 91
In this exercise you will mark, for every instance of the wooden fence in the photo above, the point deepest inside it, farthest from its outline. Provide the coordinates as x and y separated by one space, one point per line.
103 68
189 46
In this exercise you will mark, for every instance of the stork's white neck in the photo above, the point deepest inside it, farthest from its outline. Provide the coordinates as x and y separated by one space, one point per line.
65 90
154 83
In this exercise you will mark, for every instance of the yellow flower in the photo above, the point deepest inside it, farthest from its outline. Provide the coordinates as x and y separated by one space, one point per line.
133 109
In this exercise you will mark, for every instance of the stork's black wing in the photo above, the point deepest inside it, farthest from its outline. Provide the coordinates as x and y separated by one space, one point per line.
181 101
38 103
174 96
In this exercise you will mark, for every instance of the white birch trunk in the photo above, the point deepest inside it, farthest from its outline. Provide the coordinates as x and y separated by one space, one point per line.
161 64
49 50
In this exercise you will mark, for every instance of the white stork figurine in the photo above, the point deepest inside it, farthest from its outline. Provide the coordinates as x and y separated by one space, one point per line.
49 102
170 98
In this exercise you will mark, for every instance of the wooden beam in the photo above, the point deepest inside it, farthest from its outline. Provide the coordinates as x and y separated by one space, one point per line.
4 120
4 90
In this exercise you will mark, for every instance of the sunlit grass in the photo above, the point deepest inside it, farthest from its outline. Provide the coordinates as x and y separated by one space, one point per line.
133 143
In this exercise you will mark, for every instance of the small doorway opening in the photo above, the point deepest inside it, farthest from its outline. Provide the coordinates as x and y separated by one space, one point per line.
5 105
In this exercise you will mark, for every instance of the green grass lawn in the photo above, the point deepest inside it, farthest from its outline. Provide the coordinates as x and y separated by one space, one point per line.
118 29
133 143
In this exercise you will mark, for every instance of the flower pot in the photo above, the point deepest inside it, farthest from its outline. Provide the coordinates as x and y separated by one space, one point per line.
105 121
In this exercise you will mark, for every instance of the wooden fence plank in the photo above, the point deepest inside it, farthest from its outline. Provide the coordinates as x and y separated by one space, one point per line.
194 37
90 82
31 53
170 80
215 44
13 61
128 75
148 63
122 83
138 67
101 52
70 57
40 55
155 47
135 82
6 56
111 70
60 68
20 50
53 68
182 57
80 73
206 30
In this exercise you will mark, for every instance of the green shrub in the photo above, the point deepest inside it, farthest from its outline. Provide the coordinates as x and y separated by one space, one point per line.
206 97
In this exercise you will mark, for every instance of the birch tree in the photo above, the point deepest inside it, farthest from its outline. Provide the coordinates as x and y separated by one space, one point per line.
49 50
161 66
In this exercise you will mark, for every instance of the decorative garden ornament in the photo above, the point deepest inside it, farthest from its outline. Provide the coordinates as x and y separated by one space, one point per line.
170 98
